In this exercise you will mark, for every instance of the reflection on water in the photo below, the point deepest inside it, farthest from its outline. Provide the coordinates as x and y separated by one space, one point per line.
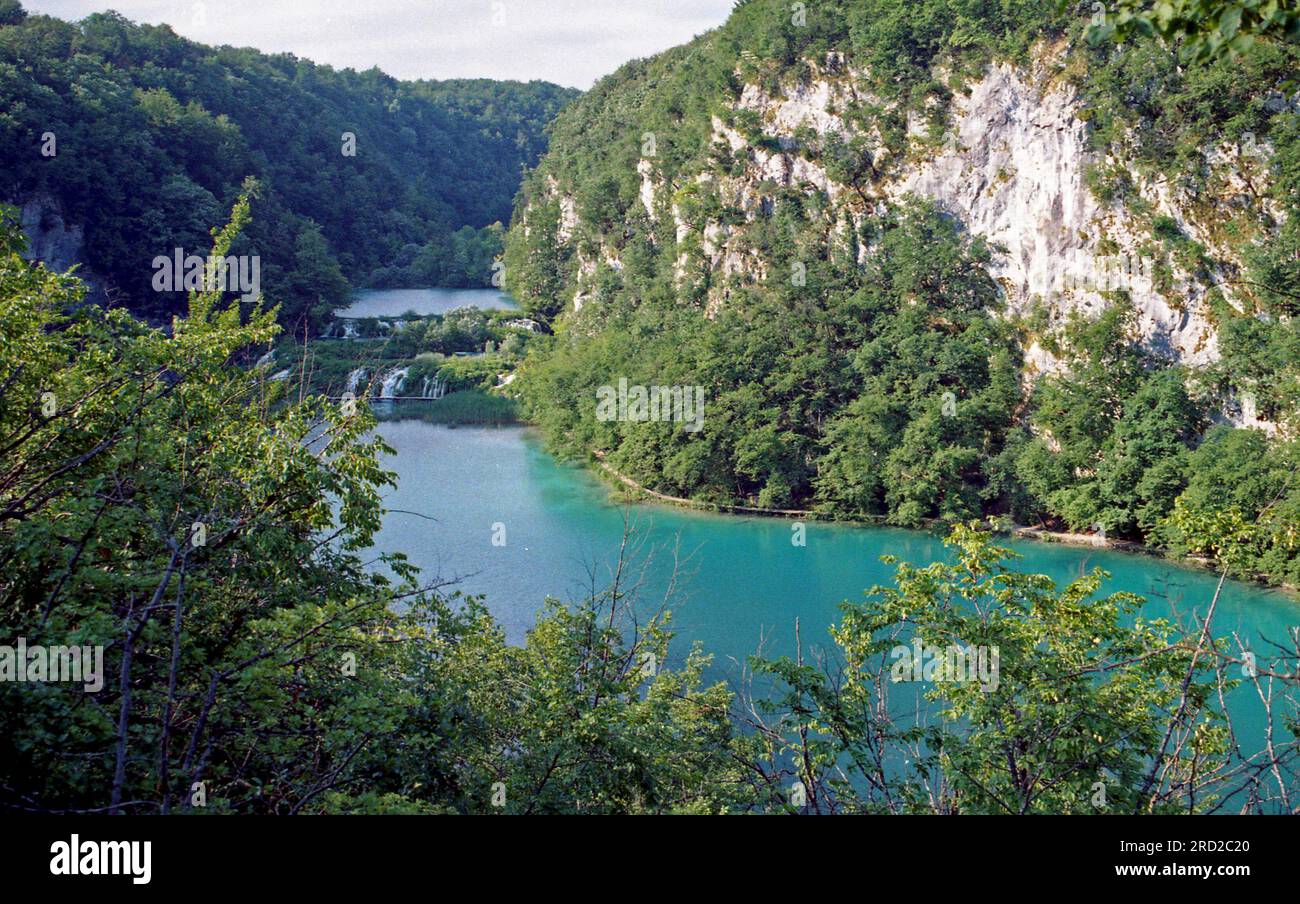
396 302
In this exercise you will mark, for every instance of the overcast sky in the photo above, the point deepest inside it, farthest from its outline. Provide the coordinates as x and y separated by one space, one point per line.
571 42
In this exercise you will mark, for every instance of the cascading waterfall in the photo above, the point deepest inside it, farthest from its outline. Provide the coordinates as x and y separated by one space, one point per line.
266 360
392 383
433 387
355 378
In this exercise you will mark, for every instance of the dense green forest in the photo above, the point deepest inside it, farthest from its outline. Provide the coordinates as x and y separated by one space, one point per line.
143 138
859 361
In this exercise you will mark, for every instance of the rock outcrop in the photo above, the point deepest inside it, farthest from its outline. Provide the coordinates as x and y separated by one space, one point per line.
1012 166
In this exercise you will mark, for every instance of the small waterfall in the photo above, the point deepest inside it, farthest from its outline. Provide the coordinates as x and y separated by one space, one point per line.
355 378
349 329
392 383
282 375
433 387
266 360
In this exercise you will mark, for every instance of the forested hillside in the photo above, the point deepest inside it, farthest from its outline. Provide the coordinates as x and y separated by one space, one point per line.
125 141
938 260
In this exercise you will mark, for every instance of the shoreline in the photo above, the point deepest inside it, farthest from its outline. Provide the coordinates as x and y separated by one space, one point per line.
1017 531
623 483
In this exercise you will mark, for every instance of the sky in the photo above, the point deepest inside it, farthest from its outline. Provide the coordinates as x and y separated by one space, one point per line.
570 42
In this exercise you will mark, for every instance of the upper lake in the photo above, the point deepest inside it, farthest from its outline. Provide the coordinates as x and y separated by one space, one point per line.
396 302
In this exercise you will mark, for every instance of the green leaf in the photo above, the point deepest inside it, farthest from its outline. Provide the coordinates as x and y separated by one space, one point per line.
1230 22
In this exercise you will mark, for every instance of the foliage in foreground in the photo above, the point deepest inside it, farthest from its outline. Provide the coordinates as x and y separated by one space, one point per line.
1202 29
1094 710
207 532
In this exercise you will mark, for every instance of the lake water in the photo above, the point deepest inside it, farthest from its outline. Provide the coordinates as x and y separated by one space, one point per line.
396 302
743 582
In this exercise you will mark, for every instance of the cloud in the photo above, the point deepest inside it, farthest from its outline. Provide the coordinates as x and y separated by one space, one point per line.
571 42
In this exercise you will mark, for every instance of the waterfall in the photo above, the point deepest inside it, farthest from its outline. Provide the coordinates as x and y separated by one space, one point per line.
392 383
349 329
433 387
355 378
266 360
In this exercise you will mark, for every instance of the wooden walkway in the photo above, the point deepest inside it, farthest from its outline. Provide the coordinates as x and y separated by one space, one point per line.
695 504
1016 530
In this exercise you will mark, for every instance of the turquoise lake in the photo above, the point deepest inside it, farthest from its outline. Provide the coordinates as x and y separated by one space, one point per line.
396 302
742 583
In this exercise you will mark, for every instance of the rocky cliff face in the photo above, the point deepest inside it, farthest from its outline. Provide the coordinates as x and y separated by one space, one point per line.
1013 166
49 238
60 245
1014 172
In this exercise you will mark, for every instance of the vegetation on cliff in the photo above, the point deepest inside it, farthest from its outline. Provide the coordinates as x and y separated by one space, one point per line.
855 354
